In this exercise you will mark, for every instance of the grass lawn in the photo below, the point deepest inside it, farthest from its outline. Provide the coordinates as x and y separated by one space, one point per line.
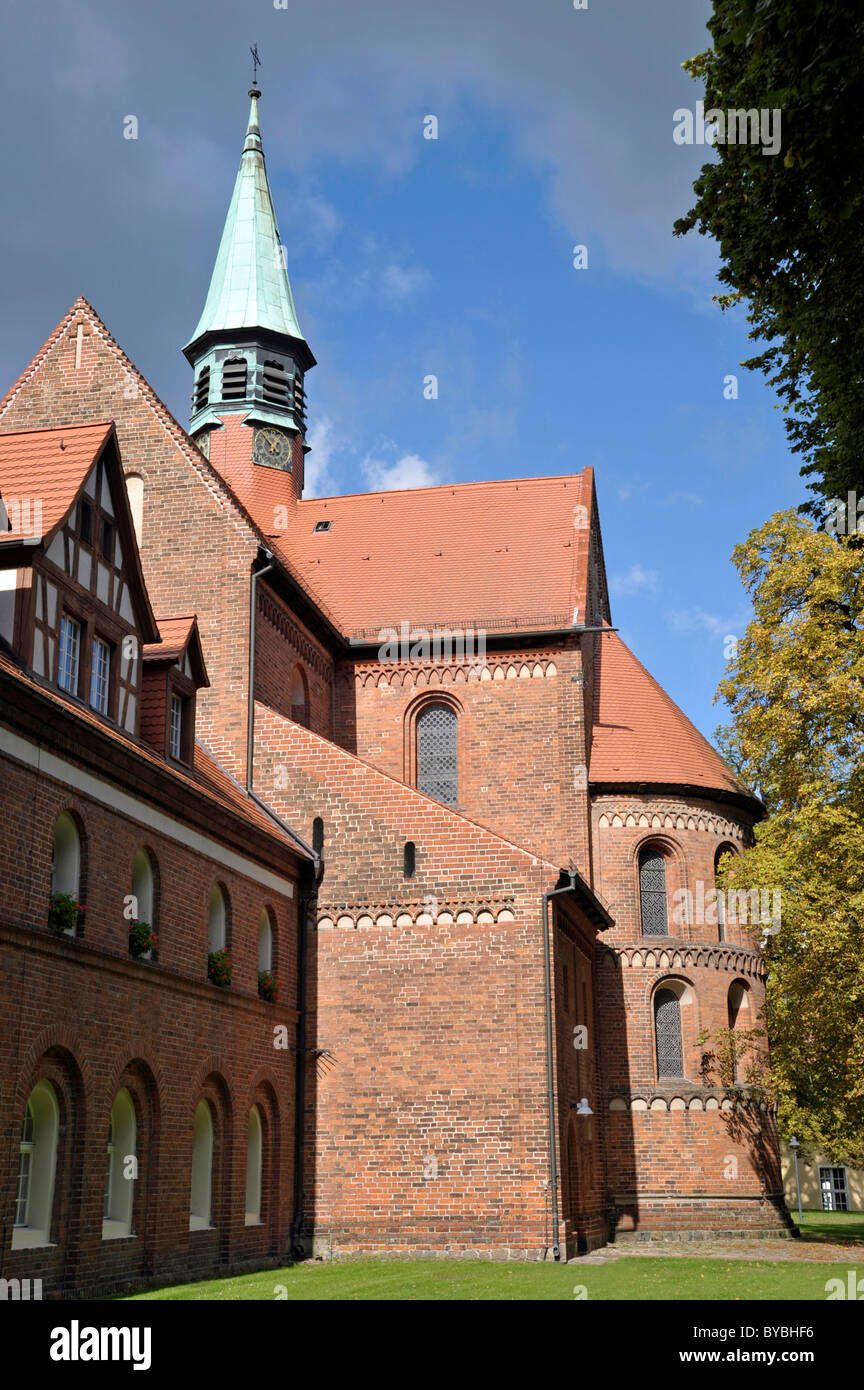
845 1226
641 1278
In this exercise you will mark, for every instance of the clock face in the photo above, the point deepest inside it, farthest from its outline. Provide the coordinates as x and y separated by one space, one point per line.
272 447
203 442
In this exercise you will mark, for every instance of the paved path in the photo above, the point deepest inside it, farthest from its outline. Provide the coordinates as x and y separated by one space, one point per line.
817 1251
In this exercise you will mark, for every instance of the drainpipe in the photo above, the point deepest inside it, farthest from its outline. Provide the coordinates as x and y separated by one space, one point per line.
309 893
253 615
550 1064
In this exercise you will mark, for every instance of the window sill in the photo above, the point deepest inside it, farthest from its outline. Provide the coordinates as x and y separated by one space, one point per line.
253 1220
200 1223
116 1230
26 1238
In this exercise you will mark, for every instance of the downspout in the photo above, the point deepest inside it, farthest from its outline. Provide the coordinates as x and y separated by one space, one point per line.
253 615
309 892
550 1066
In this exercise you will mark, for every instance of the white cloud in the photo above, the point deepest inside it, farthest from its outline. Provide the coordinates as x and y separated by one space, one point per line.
690 497
319 480
697 620
401 283
408 471
636 581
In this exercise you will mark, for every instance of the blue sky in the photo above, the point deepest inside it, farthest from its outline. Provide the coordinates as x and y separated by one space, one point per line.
410 256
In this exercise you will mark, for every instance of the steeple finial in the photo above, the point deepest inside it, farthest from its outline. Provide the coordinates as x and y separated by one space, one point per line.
254 90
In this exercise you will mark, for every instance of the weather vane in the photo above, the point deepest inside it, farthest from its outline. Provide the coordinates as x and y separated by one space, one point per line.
256 63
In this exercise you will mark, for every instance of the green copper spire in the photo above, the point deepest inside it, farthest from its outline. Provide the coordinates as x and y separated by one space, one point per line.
249 287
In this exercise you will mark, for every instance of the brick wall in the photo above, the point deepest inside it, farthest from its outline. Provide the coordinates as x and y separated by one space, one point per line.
431 1121
85 1015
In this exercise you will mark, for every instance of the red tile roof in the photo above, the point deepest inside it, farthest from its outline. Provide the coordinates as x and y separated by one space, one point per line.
502 556
175 633
205 775
640 734
45 469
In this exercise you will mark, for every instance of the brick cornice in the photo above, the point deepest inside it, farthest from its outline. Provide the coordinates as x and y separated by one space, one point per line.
687 955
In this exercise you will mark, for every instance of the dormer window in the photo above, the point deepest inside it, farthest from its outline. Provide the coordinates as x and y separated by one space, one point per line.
108 540
234 379
70 652
100 671
175 733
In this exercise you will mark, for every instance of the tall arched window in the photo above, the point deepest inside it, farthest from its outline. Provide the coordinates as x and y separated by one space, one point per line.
667 1029
202 1168
265 941
723 853
300 697
217 919
66 864
652 893
737 1004
437 753
234 379
37 1163
254 1154
121 1170
144 887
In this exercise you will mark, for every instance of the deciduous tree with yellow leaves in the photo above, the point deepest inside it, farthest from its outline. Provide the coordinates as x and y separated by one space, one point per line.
795 689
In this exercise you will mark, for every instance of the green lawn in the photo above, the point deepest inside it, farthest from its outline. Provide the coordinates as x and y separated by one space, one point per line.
642 1278
845 1226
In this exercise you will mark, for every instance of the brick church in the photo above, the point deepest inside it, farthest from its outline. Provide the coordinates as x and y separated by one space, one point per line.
345 845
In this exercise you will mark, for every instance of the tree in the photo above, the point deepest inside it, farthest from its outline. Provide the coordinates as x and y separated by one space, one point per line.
791 226
795 689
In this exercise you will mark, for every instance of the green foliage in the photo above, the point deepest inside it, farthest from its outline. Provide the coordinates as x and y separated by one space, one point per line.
268 986
142 938
735 1059
791 226
796 692
65 914
220 968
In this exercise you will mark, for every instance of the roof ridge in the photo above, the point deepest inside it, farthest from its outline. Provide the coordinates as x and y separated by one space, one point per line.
443 487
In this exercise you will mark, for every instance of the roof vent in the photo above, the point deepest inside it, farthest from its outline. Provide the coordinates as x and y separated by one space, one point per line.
322 526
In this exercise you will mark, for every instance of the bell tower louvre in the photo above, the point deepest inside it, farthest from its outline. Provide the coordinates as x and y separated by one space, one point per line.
248 353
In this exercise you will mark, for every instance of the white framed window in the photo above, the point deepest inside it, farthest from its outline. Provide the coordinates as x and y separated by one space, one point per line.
70 651
176 727
121 1168
25 1165
202 1168
99 675
37 1163
254 1154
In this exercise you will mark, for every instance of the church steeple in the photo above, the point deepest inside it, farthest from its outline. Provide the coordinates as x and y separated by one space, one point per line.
248 351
